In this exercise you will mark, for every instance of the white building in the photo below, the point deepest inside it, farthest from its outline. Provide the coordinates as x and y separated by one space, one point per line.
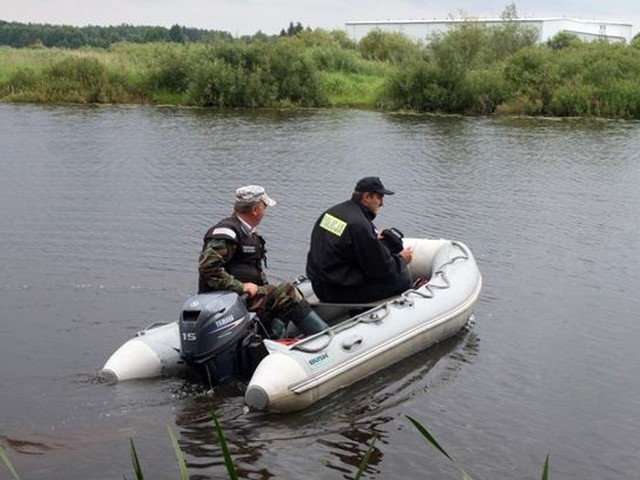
586 30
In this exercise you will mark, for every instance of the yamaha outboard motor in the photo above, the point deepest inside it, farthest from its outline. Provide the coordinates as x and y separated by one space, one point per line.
218 336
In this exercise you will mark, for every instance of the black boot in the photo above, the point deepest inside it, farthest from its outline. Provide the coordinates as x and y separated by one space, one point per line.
311 324
305 319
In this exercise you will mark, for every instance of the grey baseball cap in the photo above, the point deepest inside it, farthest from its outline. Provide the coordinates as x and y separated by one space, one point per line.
250 194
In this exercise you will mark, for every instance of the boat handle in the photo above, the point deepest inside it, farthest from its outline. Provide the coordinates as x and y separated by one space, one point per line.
351 343
300 345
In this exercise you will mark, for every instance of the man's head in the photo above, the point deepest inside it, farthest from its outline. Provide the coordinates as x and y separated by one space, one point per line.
370 192
252 201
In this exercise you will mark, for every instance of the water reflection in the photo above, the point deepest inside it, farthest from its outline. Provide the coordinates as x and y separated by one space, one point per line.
340 428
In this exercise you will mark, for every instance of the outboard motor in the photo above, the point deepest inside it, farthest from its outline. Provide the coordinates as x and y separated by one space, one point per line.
218 336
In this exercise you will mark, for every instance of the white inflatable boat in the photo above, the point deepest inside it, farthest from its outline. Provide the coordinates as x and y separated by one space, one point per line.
362 338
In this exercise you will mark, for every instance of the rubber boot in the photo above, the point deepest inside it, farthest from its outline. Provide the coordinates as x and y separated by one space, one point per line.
306 320
311 324
277 328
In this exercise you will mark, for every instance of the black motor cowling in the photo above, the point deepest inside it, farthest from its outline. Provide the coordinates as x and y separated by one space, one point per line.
218 336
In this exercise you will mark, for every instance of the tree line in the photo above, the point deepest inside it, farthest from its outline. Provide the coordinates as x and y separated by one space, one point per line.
21 35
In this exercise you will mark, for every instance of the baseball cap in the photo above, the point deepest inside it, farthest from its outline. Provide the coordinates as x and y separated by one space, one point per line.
250 194
372 184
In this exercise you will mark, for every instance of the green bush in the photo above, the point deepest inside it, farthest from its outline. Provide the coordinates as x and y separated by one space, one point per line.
486 90
391 47
416 87
574 100
532 73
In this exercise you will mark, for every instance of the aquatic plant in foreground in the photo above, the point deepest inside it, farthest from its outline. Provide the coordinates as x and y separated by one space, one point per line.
231 469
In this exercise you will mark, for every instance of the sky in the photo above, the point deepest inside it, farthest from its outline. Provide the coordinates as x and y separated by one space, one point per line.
246 17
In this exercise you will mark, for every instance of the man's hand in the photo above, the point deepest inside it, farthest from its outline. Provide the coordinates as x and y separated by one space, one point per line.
250 289
406 254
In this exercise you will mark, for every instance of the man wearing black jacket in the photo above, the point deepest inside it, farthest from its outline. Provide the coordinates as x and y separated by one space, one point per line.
347 262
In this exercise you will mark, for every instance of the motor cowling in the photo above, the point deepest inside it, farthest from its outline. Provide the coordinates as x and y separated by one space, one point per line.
218 336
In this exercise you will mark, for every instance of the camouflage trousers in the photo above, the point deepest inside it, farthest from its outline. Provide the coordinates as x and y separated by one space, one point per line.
274 305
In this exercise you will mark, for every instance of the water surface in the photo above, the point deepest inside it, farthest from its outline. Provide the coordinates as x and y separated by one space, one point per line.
103 212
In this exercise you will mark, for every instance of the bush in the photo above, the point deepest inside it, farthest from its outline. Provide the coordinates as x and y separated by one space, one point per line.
416 87
395 48
532 73
486 90
574 100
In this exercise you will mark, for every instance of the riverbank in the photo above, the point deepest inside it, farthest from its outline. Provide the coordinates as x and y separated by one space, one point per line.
473 70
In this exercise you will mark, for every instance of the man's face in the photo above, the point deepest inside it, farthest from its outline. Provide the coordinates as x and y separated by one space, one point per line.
373 201
259 211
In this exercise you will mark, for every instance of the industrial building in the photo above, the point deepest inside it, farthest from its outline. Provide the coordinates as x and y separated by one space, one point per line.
423 30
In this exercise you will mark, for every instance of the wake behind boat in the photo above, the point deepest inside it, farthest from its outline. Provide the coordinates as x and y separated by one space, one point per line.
220 339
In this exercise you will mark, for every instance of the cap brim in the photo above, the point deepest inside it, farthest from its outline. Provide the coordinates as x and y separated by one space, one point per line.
269 202
384 191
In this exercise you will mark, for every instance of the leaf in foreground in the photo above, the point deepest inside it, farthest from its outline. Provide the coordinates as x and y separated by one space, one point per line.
365 460
545 470
184 473
228 461
136 462
7 462
425 433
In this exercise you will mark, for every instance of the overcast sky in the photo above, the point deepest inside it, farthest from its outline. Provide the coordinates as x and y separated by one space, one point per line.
240 17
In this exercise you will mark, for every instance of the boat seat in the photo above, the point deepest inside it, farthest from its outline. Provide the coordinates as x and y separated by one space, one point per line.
335 312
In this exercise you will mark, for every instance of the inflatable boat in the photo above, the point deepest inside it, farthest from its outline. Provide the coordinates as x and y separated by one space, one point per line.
218 338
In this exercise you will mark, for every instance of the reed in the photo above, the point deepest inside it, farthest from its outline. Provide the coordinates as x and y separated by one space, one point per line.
7 462
184 473
432 440
231 469
365 460
228 461
136 462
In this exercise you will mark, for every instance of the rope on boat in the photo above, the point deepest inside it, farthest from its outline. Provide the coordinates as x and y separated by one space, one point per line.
300 345
430 287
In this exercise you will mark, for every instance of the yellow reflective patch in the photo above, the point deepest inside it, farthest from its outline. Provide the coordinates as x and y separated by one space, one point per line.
333 224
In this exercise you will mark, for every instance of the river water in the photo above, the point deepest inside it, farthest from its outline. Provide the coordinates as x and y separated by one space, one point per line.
103 211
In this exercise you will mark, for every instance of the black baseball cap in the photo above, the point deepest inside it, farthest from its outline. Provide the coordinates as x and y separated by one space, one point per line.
372 184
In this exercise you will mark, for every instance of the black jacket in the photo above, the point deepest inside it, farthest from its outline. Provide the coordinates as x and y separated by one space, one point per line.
345 251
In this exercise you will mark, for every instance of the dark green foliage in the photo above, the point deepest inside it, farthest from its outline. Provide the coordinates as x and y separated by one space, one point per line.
464 71
72 80
533 75
471 69
419 86
171 73
486 90
395 48
256 75
562 40
292 31
19 35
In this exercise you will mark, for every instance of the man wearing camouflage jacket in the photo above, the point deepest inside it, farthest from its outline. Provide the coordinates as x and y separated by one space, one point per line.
233 256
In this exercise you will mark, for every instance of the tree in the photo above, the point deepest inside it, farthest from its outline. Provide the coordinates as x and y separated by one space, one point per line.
292 31
562 40
176 35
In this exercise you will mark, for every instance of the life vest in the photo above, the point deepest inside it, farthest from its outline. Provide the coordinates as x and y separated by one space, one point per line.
246 265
